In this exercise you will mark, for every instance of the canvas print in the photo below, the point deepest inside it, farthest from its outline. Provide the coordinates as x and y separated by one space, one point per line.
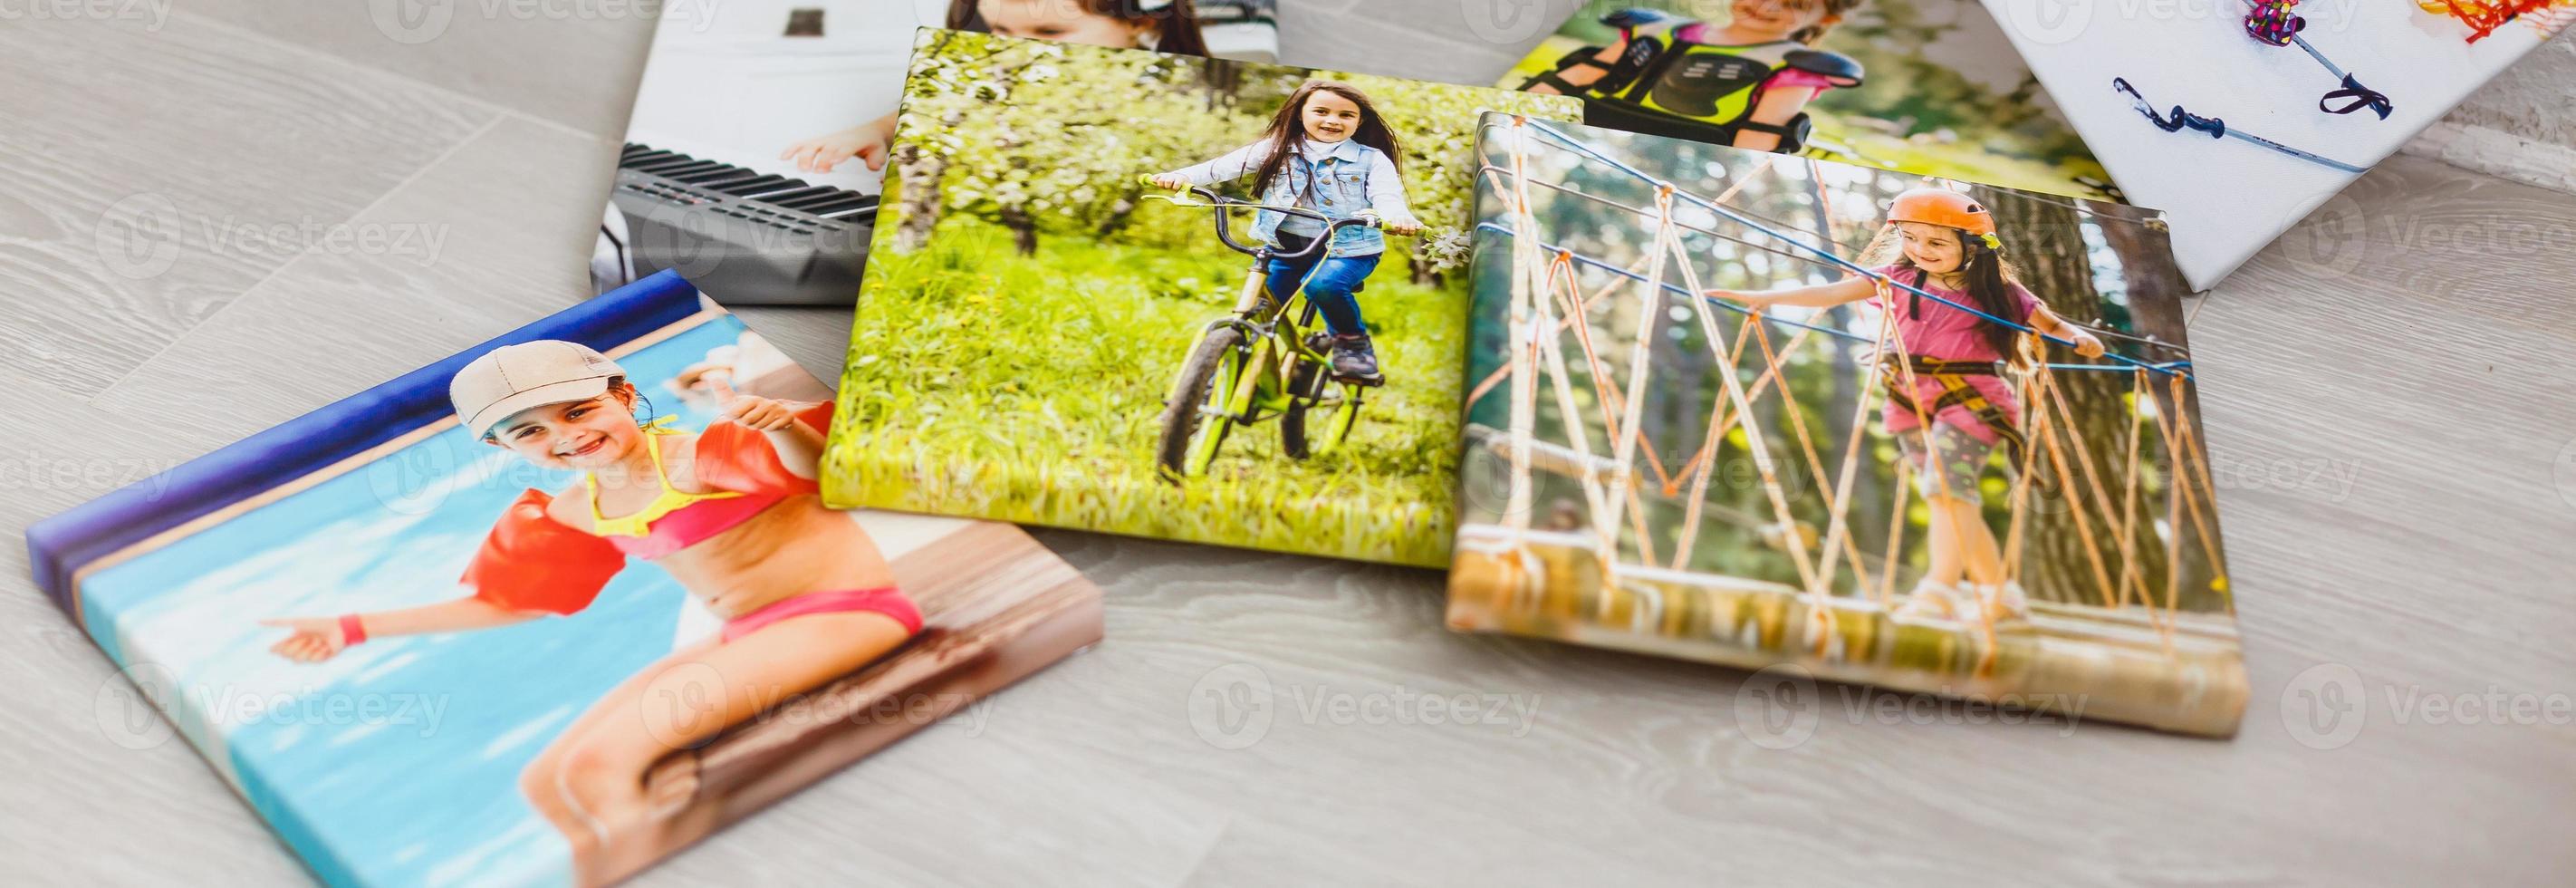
2240 117
1757 409
551 609
1174 297
1925 86
761 127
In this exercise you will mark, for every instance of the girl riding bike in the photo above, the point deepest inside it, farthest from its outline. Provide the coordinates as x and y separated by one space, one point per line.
1327 151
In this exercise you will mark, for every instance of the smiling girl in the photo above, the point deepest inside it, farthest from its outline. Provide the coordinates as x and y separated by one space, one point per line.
1328 151
729 512
1745 83
1169 26
1946 245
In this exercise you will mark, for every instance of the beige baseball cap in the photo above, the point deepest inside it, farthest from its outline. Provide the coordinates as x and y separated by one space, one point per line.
512 378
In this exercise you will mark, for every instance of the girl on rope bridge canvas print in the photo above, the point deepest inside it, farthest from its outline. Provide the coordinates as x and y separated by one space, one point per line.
1758 410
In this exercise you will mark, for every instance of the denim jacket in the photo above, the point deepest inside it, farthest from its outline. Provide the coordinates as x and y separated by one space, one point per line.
1344 180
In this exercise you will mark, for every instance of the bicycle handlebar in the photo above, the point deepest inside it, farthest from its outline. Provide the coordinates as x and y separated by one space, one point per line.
1222 203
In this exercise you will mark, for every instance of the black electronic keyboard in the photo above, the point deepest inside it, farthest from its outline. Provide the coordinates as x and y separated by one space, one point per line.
743 237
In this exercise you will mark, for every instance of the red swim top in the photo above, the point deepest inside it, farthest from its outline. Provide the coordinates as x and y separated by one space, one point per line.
531 561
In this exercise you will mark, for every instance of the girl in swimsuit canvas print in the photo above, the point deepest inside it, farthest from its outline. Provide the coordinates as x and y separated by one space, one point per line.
729 511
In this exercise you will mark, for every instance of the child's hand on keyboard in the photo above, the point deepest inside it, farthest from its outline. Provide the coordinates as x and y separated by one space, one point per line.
867 142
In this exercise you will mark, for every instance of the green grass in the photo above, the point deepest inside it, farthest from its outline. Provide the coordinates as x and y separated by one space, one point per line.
1028 389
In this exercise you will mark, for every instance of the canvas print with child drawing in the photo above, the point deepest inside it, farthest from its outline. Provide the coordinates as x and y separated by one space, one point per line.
761 127
1758 409
1925 86
551 609
1164 296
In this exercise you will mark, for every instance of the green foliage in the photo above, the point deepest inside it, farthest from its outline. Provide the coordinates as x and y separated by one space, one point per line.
1029 387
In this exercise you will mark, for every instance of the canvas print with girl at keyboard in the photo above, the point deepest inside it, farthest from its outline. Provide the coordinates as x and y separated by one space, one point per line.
761 128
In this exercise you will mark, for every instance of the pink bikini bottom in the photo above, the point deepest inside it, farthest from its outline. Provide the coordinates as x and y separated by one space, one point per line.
888 601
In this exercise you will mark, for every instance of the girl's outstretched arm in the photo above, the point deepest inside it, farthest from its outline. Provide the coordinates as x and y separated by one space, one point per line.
1234 165
1386 196
799 446
1581 75
2048 322
314 639
1818 296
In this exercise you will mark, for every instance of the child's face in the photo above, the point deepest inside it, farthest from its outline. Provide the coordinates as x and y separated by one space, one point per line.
1329 117
1063 20
578 435
1933 248
1782 16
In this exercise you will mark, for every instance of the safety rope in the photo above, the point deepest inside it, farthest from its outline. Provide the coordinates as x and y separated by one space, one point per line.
1550 281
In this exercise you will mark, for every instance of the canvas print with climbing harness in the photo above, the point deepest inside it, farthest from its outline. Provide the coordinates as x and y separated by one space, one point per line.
1926 86
1758 409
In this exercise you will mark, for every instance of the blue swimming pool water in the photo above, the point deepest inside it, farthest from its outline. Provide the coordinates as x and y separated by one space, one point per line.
383 789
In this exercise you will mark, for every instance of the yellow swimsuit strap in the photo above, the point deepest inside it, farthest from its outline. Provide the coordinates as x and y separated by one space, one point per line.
670 500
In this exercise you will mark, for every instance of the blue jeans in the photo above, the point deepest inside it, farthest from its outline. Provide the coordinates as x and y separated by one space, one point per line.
1330 285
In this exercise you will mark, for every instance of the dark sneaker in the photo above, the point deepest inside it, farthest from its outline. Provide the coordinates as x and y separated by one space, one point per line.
1354 357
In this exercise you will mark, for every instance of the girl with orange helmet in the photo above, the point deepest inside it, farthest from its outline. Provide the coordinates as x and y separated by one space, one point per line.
1951 370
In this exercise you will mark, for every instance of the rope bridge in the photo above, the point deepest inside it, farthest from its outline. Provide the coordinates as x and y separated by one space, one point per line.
1577 582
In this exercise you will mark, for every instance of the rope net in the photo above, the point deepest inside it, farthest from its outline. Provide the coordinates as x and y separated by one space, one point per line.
1643 571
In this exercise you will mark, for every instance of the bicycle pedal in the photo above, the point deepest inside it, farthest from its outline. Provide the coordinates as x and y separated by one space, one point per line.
1372 381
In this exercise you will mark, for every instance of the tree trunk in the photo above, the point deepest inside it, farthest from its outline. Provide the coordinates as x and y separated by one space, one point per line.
917 175
2045 242
2155 289
1024 230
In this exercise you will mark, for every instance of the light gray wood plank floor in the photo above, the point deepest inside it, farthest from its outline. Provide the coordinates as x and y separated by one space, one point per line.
2389 393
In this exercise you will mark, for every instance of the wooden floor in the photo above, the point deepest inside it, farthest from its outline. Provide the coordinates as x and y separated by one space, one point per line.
2391 408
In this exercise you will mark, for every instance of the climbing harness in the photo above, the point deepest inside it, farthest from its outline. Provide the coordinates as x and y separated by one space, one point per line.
1549 302
2178 120
1666 81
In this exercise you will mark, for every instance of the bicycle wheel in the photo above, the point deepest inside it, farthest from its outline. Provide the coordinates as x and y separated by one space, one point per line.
1300 438
1191 433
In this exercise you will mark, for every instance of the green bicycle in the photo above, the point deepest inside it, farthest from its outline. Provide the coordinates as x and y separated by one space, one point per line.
1264 360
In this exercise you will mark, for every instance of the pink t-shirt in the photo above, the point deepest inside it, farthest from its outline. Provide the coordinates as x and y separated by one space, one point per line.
1934 330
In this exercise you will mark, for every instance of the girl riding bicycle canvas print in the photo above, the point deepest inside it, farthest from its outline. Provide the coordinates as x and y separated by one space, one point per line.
1165 296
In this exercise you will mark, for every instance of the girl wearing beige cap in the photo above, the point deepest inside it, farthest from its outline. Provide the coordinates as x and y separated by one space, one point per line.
730 512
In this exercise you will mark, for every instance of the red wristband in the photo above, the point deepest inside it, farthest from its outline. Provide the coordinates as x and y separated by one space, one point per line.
351 631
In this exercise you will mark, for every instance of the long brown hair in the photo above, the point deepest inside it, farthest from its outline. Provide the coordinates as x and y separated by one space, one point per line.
1176 27
1287 132
1990 280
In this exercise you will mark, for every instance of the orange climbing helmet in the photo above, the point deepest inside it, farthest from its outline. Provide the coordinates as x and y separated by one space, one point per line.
1941 206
